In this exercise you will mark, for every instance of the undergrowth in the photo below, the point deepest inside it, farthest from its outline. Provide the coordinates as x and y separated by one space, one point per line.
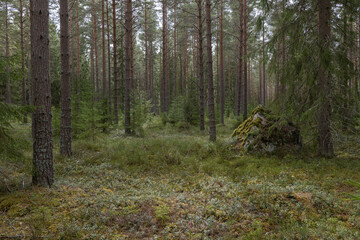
173 184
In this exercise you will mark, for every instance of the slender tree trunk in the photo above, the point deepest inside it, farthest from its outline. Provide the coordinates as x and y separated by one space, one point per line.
103 51
78 67
43 173
109 55
260 82
128 80
325 138
65 131
245 95
96 51
264 66
241 48
7 55
146 52
283 52
165 59
201 66
116 83
175 50
212 123
222 75
22 47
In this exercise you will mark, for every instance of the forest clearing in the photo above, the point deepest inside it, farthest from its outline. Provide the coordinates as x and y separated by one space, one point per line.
180 119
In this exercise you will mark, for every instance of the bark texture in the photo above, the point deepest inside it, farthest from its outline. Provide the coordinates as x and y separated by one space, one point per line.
43 173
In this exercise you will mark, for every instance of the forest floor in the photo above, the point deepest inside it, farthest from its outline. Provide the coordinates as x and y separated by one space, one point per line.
174 184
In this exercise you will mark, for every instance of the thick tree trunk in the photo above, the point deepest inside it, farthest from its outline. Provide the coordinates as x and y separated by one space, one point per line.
78 67
212 123
201 66
65 131
43 173
116 83
240 69
325 138
128 80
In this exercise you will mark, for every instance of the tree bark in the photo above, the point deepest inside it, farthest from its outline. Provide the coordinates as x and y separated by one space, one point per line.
43 173
109 55
65 131
103 50
324 121
96 51
116 83
165 83
175 49
201 66
245 98
222 76
128 80
212 123
7 55
22 47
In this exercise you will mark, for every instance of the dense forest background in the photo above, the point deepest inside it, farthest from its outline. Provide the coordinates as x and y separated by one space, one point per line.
82 78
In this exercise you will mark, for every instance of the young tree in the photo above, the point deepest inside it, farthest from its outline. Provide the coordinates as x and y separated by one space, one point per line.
212 123
65 130
43 173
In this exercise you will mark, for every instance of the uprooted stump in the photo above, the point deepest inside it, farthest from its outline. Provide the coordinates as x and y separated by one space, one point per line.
264 132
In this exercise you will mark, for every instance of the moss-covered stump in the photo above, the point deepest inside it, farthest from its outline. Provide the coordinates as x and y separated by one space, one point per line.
264 132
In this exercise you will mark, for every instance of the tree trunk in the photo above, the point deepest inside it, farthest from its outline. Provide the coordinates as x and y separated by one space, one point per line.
103 50
43 173
201 66
65 131
109 55
128 80
78 69
96 52
264 67
175 49
165 80
245 98
212 123
22 47
116 83
146 52
7 55
325 138
222 76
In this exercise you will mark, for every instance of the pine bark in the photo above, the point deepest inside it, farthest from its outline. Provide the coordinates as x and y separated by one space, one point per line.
103 50
78 67
165 80
175 50
116 83
222 75
7 55
245 95
22 47
108 55
146 51
128 80
201 66
65 130
212 123
325 138
96 51
43 173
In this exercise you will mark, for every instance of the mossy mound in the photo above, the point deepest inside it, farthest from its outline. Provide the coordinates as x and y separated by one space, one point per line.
265 132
